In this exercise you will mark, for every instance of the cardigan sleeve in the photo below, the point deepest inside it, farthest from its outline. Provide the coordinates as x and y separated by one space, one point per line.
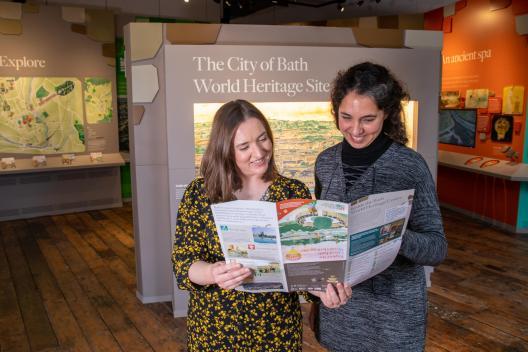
189 243
424 241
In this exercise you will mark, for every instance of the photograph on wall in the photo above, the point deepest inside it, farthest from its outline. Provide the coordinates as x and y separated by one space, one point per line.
41 115
512 100
502 128
450 99
457 127
98 99
301 131
477 98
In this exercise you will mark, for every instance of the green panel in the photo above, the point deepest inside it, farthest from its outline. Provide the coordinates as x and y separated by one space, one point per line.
522 213
126 183
120 68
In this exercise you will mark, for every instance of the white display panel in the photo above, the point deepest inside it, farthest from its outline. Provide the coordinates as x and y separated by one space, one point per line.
288 75
296 77
192 75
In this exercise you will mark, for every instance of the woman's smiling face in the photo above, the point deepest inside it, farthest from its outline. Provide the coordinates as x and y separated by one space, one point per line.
253 148
359 120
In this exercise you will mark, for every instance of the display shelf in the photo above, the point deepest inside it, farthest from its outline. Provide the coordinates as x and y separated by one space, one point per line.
54 163
484 165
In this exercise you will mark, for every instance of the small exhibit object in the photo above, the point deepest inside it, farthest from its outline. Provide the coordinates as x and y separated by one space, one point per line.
483 122
513 100
8 163
473 160
517 127
96 157
67 159
494 105
489 163
510 153
502 128
39 160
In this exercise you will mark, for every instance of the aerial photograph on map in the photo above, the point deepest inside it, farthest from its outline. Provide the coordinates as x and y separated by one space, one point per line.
301 131
98 99
41 115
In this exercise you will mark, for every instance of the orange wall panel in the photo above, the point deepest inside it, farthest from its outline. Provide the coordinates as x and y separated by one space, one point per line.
492 56
491 197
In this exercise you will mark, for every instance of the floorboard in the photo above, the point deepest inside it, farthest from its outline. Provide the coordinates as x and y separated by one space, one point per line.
67 283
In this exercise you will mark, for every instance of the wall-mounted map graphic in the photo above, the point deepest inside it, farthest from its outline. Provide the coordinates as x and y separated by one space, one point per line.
41 115
301 131
98 99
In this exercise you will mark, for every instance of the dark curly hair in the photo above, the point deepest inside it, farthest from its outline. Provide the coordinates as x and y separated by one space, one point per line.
379 83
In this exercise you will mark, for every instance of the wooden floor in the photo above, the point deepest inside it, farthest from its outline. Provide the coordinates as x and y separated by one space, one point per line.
67 283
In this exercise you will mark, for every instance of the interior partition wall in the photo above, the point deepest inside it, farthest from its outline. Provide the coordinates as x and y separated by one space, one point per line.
194 78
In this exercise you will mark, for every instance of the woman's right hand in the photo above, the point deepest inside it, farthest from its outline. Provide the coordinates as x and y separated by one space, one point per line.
228 275
335 295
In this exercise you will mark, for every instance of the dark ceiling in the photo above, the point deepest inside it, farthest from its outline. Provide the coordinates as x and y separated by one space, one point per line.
240 8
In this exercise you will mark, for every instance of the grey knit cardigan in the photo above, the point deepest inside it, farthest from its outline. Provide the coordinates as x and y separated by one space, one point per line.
388 312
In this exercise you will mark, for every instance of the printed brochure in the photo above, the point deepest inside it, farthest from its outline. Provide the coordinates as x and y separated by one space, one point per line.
304 244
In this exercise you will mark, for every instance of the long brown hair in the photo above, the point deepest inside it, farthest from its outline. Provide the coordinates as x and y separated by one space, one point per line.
218 168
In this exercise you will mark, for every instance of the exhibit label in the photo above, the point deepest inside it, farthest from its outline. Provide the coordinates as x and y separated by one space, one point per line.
245 66
475 55
21 62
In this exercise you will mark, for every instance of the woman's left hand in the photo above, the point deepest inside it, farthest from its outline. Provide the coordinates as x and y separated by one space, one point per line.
335 295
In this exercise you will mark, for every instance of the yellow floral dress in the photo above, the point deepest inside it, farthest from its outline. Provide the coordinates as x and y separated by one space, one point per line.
229 320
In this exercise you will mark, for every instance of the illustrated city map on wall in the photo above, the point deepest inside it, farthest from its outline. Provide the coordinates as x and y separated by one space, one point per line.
45 115
41 115
98 99
301 131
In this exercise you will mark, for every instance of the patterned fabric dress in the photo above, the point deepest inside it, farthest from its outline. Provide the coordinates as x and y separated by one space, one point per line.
229 320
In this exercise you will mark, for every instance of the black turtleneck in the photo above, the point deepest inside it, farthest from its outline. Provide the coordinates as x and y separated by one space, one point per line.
356 161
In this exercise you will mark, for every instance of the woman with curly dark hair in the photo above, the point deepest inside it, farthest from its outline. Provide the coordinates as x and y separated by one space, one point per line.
389 311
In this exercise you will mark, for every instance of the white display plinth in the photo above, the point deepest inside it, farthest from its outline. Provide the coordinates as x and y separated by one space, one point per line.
477 164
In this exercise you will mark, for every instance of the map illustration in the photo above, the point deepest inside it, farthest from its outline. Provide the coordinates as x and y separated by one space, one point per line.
457 126
98 99
41 115
301 131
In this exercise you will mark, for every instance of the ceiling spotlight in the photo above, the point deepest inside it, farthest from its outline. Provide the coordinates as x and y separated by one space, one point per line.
186 1
340 7
227 3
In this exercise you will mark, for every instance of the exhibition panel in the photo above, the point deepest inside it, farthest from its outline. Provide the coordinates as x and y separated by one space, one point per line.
290 82
483 112
58 117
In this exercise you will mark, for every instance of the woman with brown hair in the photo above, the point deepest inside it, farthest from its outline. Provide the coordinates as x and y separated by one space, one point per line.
238 164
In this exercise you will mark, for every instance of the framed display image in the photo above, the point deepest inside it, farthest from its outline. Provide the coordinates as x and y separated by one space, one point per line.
502 128
457 127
